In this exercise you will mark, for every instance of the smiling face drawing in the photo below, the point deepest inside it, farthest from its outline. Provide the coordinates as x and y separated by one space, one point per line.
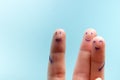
98 43
58 42
89 35
87 39
59 35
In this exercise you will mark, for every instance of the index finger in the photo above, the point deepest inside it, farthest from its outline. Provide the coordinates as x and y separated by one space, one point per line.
56 66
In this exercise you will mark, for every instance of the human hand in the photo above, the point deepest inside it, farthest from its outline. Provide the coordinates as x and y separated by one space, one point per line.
90 62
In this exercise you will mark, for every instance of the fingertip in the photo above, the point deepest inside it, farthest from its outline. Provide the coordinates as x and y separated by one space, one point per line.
89 34
99 42
58 31
59 41
99 38
91 30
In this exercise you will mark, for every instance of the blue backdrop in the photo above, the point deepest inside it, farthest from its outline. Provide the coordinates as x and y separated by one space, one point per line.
27 26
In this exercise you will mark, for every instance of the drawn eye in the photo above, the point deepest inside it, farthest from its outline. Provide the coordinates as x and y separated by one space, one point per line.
94 41
91 33
60 32
100 41
86 33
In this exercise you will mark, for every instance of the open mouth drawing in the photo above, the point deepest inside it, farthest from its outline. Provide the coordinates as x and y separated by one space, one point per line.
97 48
58 39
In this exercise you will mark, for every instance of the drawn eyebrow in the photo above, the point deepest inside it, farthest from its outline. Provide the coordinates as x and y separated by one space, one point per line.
51 61
101 67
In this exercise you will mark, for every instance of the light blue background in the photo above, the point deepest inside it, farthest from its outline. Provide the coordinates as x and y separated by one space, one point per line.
27 26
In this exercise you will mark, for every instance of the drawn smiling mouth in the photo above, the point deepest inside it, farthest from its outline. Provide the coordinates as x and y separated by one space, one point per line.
88 40
97 48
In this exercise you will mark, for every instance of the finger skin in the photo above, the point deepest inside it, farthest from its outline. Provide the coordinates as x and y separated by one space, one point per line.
97 58
82 68
56 65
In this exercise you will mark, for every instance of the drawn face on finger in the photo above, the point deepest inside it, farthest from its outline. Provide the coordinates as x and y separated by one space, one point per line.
59 35
59 41
89 35
98 43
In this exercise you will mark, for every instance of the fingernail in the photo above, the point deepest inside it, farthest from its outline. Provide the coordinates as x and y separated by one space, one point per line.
98 79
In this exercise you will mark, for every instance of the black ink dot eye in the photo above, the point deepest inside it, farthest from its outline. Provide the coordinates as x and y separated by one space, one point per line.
100 41
60 32
94 41
86 33
91 33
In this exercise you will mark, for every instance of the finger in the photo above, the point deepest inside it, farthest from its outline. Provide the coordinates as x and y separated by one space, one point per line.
97 58
82 68
56 66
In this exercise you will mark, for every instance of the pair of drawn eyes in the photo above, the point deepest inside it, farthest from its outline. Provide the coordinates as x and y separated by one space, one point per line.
58 32
87 33
99 41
